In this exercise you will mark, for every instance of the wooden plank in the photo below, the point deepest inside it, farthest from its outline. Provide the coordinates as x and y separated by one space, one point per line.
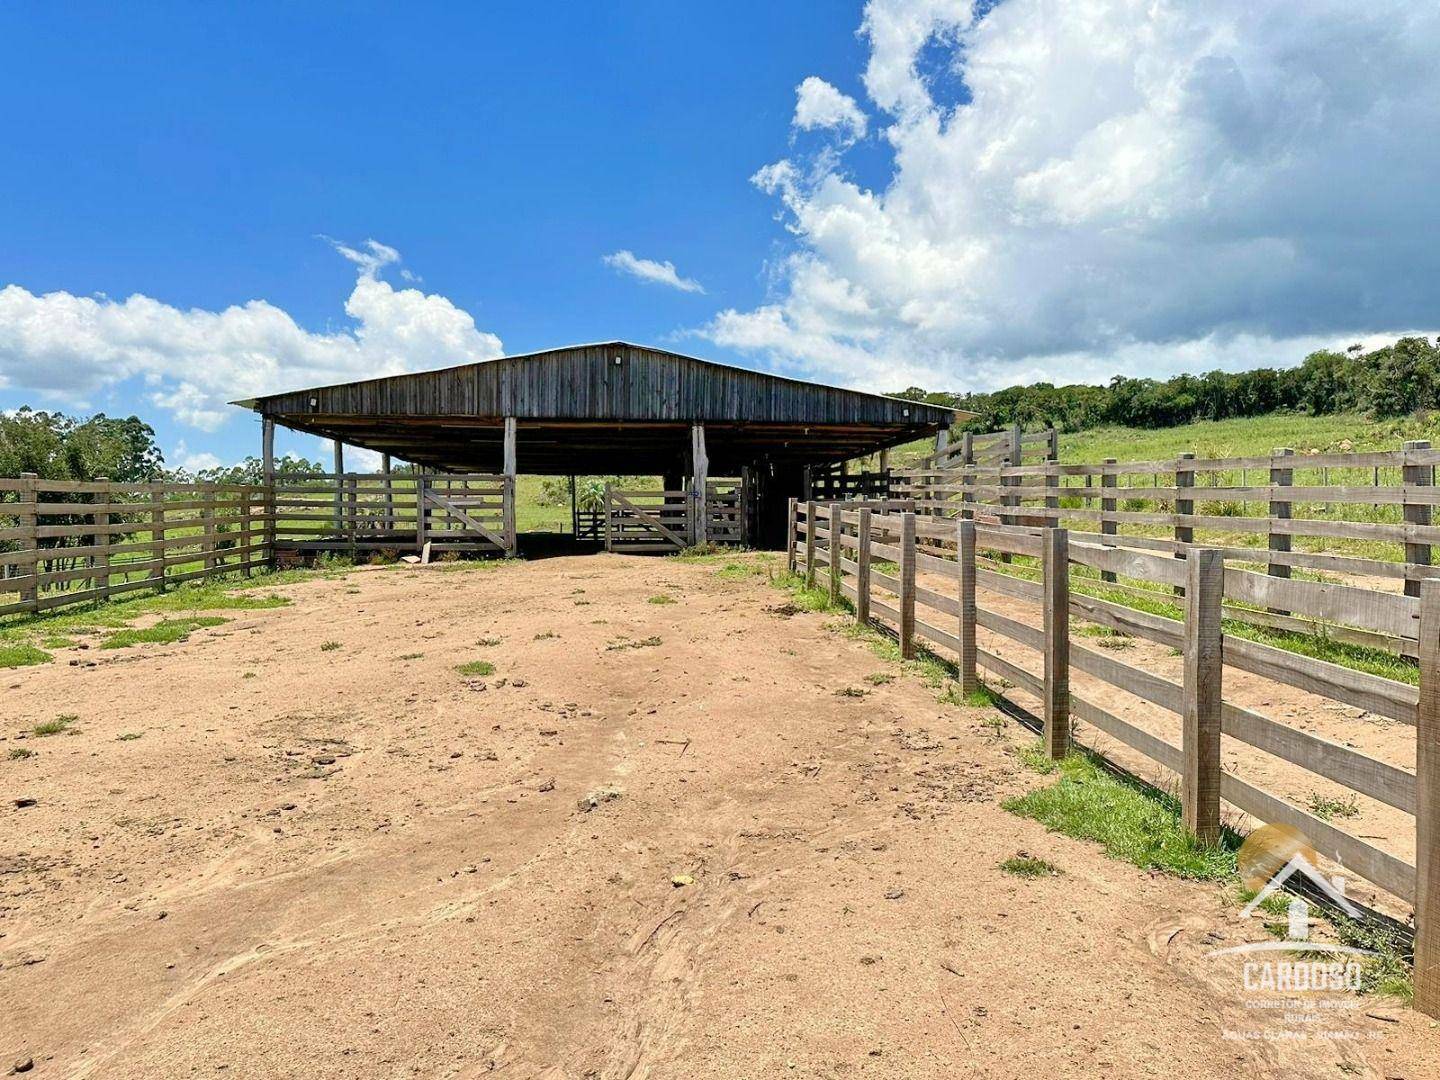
1200 718
1427 808
1056 604
434 498
907 585
862 568
810 529
965 557
833 553
1416 512
1280 510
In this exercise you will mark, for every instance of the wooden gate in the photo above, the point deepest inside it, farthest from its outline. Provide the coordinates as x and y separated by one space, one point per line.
648 522
467 513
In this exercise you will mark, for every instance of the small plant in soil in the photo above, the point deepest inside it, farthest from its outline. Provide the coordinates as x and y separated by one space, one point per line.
1029 866
546 635
60 724
475 668
129 736
851 692
20 753
410 656
1327 808
329 646
488 642
661 598
880 678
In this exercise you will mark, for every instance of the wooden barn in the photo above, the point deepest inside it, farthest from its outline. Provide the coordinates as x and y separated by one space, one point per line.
731 446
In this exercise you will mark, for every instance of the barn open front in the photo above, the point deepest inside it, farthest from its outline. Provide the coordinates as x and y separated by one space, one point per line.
727 448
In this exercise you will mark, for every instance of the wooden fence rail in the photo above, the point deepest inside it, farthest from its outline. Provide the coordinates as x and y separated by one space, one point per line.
847 541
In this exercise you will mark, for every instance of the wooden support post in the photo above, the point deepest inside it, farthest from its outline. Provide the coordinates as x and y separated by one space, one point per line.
965 556
267 451
810 519
862 568
907 585
1427 807
1052 480
967 462
1185 534
26 521
837 529
700 485
422 527
157 535
792 532
1055 560
1107 507
1417 513
1054 434
208 535
942 442
609 539
507 507
339 523
1204 671
1280 510
389 493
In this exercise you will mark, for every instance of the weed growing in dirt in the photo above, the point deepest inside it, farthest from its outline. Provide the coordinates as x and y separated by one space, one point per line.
1033 756
1388 971
980 698
60 724
643 643
57 642
1130 822
545 635
851 692
661 598
740 571
329 646
165 632
803 596
129 736
476 667
410 656
20 654
880 678
20 753
487 642
1029 866
1326 807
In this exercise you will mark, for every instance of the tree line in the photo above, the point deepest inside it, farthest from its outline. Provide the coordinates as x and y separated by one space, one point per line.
1395 380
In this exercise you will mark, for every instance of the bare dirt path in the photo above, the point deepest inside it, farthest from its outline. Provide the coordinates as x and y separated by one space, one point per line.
354 861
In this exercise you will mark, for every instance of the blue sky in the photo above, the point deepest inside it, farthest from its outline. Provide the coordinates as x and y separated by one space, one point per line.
909 192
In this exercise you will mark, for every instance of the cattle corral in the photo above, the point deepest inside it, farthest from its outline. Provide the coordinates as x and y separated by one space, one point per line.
328 852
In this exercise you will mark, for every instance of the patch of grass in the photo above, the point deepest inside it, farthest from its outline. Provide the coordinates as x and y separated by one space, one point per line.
57 642
880 678
980 698
545 635
20 753
1127 820
740 571
661 598
1033 756
1029 866
807 598
165 632
1388 971
57 726
21 654
643 643
329 646
488 642
129 736
1327 807
476 667
851 692
410 656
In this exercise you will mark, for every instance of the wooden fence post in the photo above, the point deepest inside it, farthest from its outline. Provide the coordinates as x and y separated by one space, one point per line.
339 523
1204 672
609 540
1280 511
967 462
862 569
810 544
421 526
158 549
267 451
1427 807
965 557
1052 480
1056 583
1417 513
837 530
101 523
1185 534
207 534
792 533
28 496
1107 507
907 585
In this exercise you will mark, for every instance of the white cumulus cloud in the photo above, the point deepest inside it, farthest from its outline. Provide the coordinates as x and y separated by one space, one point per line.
820 105
648 270
1079 188
70 347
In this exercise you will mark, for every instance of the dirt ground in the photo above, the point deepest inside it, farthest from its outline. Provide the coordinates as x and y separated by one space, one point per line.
353 861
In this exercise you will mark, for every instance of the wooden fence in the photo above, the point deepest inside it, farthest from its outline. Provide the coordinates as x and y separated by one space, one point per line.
1365 515
664 522
73 541
355 512
845 542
